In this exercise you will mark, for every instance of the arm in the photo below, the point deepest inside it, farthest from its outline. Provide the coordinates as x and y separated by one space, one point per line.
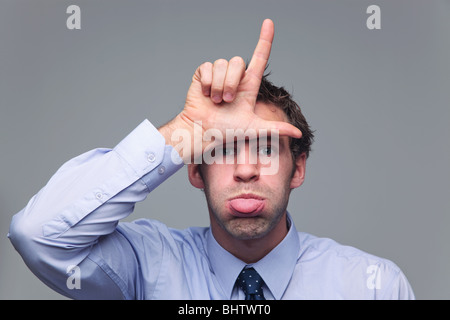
84 200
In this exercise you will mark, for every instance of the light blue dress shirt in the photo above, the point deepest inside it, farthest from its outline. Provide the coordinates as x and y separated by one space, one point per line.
70 237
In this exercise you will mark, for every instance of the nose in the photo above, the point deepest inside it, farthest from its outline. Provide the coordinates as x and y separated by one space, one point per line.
246 168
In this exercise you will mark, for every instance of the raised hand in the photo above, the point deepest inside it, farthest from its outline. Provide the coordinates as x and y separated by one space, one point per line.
223 94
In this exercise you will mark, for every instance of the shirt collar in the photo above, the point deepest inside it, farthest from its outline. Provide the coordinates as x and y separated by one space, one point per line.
281 259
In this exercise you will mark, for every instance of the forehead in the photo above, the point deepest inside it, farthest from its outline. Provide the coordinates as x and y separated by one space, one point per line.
268 111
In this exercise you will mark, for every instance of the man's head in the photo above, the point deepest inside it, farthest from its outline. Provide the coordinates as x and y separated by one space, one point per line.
243 203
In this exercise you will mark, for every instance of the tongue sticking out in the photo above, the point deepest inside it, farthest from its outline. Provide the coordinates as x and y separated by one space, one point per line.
246 205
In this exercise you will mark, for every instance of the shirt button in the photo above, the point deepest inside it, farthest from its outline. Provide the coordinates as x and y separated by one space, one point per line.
161 170
99 195
151 157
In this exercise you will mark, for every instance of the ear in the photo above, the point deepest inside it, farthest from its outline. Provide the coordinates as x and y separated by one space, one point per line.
299 171
195 176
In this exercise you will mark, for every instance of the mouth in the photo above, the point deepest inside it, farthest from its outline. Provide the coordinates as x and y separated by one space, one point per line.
246 205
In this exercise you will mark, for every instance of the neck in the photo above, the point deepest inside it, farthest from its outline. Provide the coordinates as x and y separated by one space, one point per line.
250 250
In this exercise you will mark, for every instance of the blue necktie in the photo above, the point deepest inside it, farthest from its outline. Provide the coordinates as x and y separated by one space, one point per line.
251 283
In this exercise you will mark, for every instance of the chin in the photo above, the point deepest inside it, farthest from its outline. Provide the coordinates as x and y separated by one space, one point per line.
248 228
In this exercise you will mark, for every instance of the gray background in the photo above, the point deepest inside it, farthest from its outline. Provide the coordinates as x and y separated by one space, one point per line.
378 176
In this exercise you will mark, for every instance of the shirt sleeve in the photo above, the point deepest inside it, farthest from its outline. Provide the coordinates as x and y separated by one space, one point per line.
84 200
398 288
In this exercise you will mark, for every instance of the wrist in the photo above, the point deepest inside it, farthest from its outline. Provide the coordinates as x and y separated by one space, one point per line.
179 133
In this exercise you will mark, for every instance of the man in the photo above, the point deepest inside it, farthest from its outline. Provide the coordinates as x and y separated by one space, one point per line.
69 234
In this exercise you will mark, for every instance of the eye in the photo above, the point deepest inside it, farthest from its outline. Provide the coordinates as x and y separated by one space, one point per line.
227 152
265 151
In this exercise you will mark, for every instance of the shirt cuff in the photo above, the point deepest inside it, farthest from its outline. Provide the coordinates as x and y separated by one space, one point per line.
145 150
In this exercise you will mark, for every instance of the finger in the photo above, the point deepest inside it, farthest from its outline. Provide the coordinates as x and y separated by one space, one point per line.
261 54
280 127
235 72
205 71
219 72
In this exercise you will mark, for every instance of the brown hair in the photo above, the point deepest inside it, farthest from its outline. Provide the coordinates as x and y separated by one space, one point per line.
278 96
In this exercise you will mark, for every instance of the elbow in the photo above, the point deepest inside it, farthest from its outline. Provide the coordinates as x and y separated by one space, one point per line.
48 262
26 237
23 234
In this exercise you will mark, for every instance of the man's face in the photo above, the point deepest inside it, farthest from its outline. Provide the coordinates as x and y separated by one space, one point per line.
242 201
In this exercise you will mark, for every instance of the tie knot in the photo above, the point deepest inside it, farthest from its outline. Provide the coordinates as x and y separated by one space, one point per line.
251 283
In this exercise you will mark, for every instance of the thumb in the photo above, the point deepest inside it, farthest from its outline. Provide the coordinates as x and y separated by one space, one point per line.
280 128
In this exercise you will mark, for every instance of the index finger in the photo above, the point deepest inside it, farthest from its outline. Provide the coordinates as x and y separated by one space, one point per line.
261 54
